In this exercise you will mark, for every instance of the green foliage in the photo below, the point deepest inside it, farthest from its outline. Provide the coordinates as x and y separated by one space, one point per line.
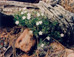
39 24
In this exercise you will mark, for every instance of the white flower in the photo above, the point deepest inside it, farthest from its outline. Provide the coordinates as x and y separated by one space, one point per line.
38 14
37 23
25 11
24 8
28 16
31 31
62 35
48 38
22 12
40 22
40 33
42 45
23 17
17 22
42 14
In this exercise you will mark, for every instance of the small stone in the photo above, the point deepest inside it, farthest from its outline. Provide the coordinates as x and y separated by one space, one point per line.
25 41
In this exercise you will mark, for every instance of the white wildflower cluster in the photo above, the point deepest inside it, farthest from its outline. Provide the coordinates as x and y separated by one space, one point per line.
23 12
38 14
39 22
28 15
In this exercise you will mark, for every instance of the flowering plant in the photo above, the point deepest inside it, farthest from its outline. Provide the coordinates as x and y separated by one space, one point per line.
38 23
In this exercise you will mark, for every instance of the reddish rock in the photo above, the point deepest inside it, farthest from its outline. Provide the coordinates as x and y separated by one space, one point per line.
25 41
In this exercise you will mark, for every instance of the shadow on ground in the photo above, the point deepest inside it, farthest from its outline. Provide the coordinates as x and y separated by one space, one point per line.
6 20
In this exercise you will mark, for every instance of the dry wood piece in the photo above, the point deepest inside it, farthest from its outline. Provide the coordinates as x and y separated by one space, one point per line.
52 2
68 4
69 51
57 46
71 55
25 41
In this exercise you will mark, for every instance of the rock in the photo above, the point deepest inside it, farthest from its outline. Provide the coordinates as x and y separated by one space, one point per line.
25 41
